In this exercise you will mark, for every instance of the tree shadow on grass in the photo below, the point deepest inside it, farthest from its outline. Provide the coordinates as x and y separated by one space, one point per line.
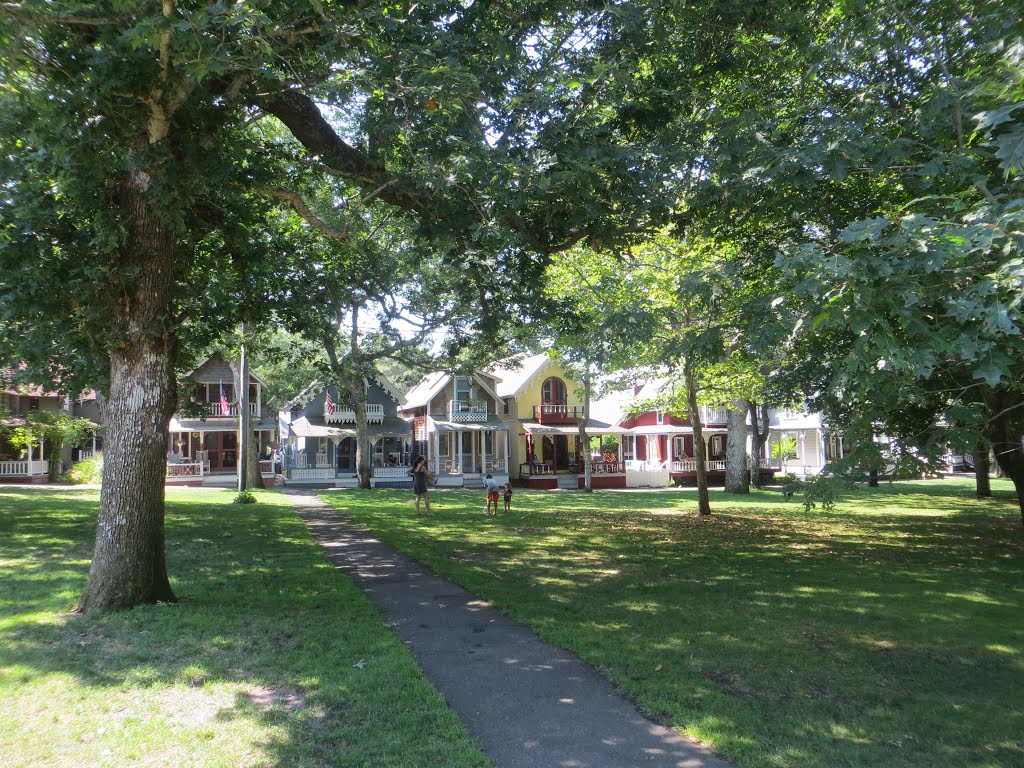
270 656
894 634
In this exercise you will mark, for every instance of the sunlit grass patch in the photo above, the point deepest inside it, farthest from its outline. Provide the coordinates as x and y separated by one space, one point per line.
885 632
270 658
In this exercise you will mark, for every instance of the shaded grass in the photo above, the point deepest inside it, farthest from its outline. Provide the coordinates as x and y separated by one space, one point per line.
888 632
271 657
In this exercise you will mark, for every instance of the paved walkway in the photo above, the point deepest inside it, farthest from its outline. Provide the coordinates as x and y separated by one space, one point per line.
528 704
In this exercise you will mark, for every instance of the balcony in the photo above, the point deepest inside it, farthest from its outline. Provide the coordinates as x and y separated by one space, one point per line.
216 411
710 415
467 411
557 414
374 415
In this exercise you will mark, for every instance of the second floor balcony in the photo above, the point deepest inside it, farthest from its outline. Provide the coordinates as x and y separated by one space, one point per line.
713 415
216 410
467 411
550 413
346 415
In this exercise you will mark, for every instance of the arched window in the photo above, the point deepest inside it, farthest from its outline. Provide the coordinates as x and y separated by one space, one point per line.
552 392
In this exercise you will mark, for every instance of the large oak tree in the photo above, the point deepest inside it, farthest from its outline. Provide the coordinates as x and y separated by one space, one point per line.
140 180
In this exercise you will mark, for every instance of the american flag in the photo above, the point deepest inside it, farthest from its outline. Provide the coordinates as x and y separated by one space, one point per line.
329 403
225 406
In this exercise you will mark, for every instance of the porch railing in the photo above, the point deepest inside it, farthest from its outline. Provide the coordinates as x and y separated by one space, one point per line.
186 469
467 411
535 468
690 465
24 468
605 467
374 414
392 473
216 411
311 473
557 414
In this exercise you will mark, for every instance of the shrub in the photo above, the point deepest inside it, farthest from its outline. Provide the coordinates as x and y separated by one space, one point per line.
245 497
86 472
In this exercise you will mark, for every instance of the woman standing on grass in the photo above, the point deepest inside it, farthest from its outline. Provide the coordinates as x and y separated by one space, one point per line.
421 479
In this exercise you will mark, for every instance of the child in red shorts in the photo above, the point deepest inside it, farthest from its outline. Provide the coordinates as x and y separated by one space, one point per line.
492 494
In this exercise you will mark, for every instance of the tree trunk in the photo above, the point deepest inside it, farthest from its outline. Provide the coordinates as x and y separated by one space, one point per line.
982 467
128 564
249 475
1004 430
758 438
736 450
56 454
588 473
254 478
700 454
355 393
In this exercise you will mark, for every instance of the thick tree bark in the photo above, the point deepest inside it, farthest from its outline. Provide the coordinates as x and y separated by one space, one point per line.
982 467
128 565
363 470
700 454
1005 432
736 450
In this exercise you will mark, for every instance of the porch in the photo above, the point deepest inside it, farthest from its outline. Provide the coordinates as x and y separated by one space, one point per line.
195 470
319 453
461 453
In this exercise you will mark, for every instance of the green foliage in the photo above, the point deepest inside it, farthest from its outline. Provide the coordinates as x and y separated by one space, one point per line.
87 471
245 497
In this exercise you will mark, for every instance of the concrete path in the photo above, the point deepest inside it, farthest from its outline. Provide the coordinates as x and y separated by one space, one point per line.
527 703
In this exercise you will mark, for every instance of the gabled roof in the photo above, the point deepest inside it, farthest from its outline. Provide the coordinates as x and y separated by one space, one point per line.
425 390
317 386
219 357
431 384
515 374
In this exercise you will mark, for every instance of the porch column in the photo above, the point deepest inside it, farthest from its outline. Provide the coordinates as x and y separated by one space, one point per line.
821 447
458 439
483 452
42 454
437 453
508 469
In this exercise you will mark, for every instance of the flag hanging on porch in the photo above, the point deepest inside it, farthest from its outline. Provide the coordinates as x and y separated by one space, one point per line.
225 406
329 403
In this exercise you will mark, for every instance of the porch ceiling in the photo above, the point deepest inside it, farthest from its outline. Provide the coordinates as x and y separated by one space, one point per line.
267 423
593 428
493 424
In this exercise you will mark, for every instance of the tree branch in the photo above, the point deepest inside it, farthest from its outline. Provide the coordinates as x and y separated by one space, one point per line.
300 207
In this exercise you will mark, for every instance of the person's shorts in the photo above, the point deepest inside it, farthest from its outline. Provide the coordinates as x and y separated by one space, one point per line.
493 496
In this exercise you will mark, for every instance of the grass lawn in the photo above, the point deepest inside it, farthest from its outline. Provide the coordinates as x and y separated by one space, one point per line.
271 657
889 632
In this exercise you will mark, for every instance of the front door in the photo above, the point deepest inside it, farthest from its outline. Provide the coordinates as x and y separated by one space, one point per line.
223 450
347 455
555 451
